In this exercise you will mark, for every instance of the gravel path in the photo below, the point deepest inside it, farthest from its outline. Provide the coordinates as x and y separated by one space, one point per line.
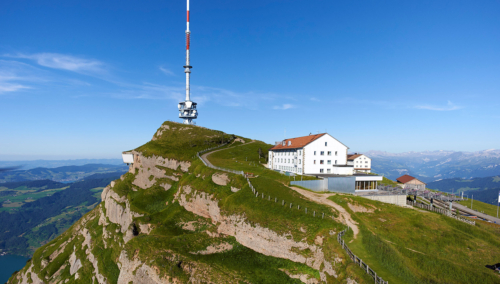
323 199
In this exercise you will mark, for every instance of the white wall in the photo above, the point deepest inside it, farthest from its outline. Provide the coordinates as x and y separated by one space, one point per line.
286 160
343 170
362 162
318 145
392 199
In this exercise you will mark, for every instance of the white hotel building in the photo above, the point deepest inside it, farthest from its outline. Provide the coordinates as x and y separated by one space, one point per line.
324 156
313 154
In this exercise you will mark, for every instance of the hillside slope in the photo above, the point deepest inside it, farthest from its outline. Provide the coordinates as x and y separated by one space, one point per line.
167 221
171 219
60 174
51 211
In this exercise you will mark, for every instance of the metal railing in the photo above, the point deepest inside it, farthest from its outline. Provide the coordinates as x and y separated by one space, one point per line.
214 167
421 193
440 211
359 261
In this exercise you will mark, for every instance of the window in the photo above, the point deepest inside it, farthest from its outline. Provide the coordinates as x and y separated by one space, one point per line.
322 153
321 170
326 143
314 153
335 162
315 162
329 162
335 153
321 162
329 153
300 161
328 170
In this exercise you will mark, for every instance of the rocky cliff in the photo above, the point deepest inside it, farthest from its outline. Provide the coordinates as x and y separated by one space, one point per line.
167 221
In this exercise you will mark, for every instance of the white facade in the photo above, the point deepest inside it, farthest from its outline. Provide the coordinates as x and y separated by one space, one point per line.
362 164
324 155
287 160
128 158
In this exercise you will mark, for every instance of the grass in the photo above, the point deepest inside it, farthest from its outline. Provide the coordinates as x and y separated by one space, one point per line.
182 142
477 205
245 158
23 195
448 251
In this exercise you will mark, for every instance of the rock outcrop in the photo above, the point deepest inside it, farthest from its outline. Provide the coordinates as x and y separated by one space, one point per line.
253 236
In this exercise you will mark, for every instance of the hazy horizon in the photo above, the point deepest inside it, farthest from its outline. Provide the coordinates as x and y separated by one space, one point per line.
394 76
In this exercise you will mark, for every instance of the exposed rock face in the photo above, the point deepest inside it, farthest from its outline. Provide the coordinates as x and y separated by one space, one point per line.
215 249
74 263
160 131
220 179
145 228
115 211
90 256
234 189
134 271
29 277
255 237
303 277
148 172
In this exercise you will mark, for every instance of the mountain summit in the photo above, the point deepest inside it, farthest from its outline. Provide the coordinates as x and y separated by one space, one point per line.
174 218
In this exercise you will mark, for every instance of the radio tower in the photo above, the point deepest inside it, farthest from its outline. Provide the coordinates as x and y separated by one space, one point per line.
187 109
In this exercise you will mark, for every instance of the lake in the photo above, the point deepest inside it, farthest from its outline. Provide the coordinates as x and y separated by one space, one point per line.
9 264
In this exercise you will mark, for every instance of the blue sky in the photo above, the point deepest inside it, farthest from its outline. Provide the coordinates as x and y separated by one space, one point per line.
89 79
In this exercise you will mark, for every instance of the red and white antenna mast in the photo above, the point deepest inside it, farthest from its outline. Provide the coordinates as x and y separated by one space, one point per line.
187 109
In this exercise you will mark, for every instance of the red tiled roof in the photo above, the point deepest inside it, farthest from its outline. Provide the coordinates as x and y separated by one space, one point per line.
298 142
405 178
352 157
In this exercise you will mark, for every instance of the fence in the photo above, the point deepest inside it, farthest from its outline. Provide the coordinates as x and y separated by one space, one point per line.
443 196
359 261
440 211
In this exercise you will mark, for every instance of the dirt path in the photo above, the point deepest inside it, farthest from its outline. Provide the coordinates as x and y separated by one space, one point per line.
323 199
204 156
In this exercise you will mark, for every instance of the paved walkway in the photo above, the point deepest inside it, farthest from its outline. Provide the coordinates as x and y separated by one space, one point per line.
474 212
204 156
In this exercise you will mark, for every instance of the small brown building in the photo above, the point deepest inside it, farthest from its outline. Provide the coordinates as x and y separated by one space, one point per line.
409 182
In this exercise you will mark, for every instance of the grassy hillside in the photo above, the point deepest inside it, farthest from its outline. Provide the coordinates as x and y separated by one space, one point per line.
49 213
245 157
416 246
402 245
182 142
481 206
174 220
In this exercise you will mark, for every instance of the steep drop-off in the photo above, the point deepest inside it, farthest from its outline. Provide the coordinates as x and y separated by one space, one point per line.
167 221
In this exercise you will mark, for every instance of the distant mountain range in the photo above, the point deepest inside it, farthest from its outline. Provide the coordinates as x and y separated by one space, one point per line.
430 166
484 189
61 174
26 165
